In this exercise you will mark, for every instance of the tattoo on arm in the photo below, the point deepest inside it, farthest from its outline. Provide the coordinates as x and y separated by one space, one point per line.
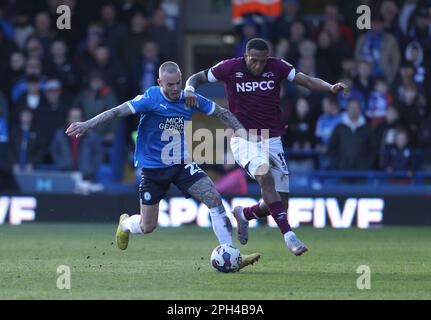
204 191
197 79
228 118
117 112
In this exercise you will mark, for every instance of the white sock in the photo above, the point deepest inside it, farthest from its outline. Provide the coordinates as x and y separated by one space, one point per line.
243 216
288 235
221 225
132 224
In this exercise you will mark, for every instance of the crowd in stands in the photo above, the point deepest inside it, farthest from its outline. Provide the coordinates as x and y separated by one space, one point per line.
383 121
51 77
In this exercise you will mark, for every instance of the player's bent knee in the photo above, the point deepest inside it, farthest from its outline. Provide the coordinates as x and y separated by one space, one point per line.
262 170
265 179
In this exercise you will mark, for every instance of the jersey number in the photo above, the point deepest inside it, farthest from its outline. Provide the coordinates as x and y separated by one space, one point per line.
282 158
193 168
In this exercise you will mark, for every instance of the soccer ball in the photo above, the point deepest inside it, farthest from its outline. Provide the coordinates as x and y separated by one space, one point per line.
226 258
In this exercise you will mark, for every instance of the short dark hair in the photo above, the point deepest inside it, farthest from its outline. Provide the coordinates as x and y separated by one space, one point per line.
169 67
257 44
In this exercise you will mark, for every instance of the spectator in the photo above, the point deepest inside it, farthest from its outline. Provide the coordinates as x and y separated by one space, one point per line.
301 127
324 51
86 49
307 48
288 47
384 133
415 54
424 140
32 99
353 93
105 64
84 154
60 67
413 109
6 25
363 81
420 29
282 48
390 12
400 157
55 111
349 66
138 34
404 79
350 146
34 48
281 26
94 99
44 33
381 47
297 33
6 177
248 30
332 50
144 74
22 30
326 124
115 31
407 10
378 103
4 119
338 27
6 49
33 68
307 65
165 38
27 143
327 121
13 73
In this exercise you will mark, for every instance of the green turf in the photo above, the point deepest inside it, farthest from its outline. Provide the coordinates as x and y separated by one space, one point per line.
174 264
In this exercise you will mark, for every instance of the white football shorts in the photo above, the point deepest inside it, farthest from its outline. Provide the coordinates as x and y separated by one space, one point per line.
263 156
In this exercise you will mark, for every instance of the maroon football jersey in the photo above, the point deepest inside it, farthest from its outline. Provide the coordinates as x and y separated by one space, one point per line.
254 100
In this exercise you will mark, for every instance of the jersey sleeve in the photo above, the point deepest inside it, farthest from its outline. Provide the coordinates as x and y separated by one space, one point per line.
287 70
141 103
219 72
205 105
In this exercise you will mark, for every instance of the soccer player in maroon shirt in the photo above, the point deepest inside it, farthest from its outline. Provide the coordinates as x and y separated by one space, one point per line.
252 84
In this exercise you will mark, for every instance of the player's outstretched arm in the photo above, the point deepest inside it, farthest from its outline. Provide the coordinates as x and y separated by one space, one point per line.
316 84
192 83
78 129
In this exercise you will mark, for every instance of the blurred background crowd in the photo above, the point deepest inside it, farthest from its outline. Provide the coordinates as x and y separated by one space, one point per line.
51 77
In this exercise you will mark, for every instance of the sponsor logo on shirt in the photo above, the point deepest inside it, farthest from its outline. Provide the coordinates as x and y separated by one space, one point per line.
173 124
239 74
268 74
254 86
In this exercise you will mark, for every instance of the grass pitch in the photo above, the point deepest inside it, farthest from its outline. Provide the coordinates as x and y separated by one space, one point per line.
174 264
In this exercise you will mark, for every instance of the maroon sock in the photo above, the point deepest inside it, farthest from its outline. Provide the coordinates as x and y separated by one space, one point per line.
255 212
280 216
